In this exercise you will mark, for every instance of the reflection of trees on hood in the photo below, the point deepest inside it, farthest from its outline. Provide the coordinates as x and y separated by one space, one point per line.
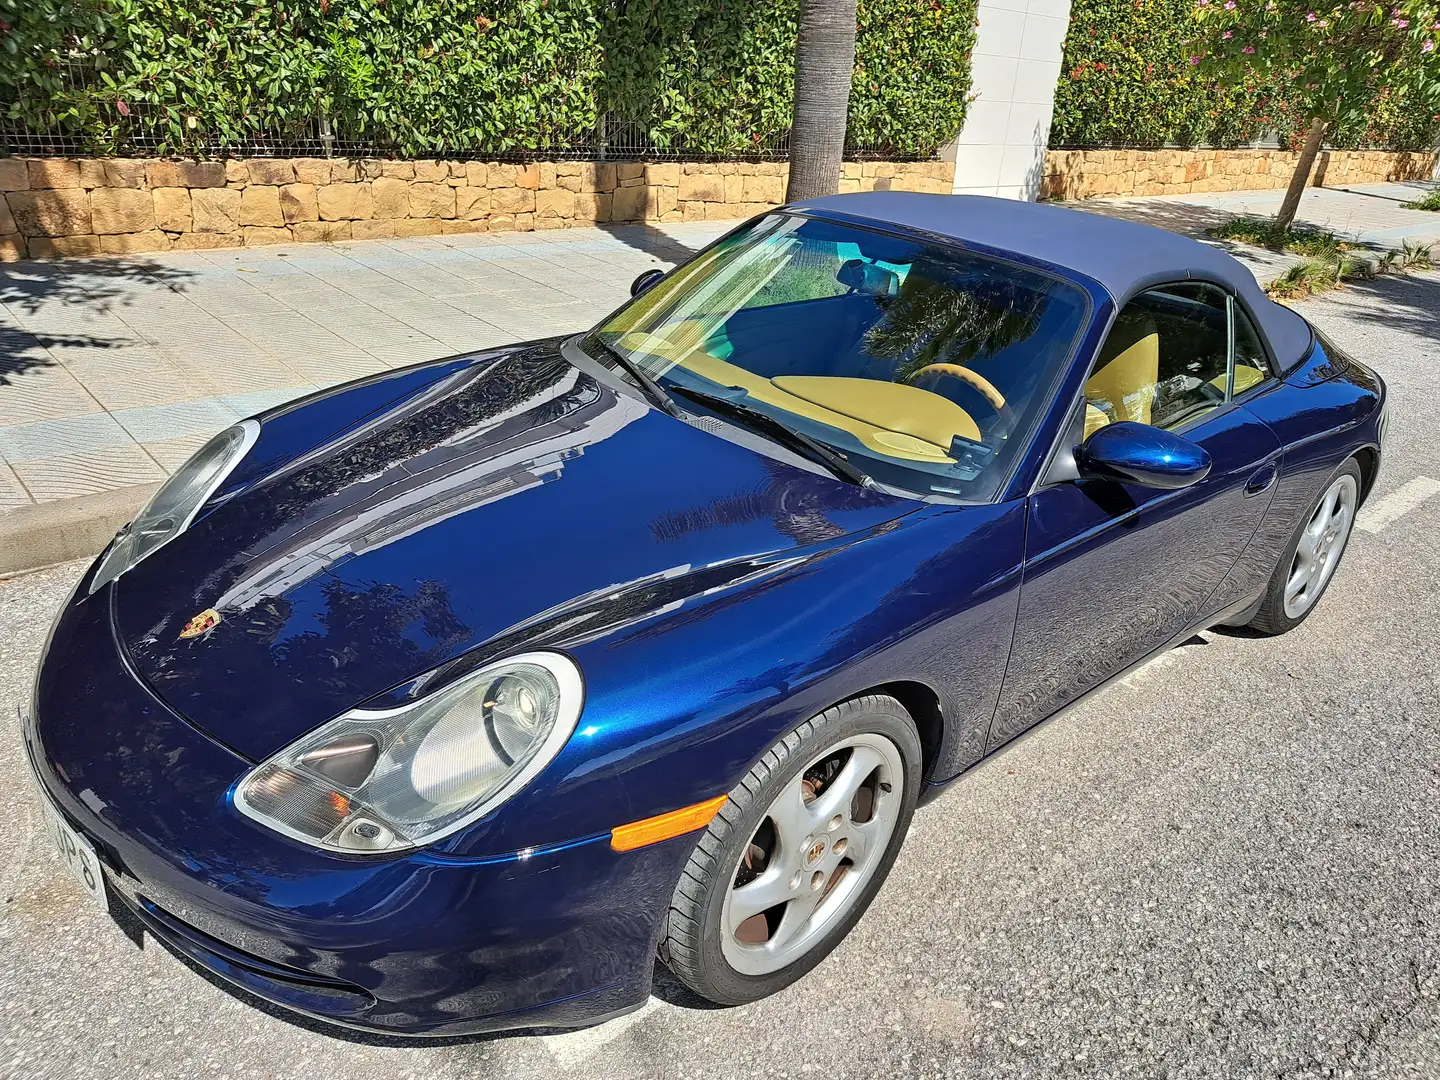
489 393
953 322
799 508
380 626
393 634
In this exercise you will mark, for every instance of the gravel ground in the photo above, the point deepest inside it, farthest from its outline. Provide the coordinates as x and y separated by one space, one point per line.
1224 866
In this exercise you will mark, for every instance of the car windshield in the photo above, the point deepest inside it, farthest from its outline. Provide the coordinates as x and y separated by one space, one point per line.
924 365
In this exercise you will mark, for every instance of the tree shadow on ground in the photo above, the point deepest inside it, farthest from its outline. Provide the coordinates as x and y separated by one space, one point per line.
78 287
1409 303
650 240
1188 219
1415 189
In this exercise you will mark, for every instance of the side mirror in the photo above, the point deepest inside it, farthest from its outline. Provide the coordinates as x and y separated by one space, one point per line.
645 280
1140 454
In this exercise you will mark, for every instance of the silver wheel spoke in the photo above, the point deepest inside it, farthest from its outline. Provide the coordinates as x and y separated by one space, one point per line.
1332 501
768 890
836 798
793 819
857 843
1299 578
797 915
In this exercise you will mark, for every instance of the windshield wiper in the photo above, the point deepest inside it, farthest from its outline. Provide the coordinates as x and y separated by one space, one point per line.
648 386
813 449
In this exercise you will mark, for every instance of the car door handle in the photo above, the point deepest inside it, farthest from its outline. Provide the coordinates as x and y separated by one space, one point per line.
1263 478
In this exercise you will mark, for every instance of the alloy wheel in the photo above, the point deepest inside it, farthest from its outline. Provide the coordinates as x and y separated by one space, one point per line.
808 860
1320 546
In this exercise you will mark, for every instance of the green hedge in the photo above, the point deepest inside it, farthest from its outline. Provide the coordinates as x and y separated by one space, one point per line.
1127 81
424 77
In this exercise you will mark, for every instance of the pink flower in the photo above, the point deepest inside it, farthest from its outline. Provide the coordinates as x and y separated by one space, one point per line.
122 108
1194 61
1311 17
1401 24
1427 45
1229 5
1248 49
1226 36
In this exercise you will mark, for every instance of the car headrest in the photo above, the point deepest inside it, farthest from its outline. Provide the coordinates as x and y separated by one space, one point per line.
867 278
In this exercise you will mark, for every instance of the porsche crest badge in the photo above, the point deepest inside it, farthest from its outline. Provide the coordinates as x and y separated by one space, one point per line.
206 620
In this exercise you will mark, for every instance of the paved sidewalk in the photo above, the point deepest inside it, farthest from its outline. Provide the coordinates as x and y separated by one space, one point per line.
114 371
1371 214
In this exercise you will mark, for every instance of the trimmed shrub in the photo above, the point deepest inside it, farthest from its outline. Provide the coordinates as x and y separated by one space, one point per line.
437 77
1128 80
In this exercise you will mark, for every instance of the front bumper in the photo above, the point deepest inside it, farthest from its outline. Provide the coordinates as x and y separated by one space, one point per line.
423 944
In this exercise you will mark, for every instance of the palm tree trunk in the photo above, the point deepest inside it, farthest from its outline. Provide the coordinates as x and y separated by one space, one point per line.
1301 175
824 63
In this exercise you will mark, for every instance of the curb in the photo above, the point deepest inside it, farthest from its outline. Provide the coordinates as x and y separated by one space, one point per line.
56 532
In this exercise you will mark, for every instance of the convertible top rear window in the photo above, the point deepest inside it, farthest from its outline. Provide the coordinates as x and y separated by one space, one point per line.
925 366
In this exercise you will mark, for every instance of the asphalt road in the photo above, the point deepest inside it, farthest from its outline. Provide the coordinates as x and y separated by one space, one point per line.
1225 866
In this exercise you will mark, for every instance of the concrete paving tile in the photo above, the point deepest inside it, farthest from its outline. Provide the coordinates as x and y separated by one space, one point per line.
46 392
151 423
398 336
399 356
138 389
12 493
72 475
259 401
253 375
324 371
225 348
172 453
22 443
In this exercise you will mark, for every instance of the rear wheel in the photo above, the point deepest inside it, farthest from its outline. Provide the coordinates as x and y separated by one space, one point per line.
795 856
1305 570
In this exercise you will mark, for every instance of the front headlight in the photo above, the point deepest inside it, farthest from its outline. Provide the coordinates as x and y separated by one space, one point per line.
172 508
373 781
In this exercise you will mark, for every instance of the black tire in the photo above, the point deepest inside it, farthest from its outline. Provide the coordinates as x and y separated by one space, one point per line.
690 945
1272 618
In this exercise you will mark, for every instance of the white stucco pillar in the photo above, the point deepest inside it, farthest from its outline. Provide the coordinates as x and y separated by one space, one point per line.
1018 50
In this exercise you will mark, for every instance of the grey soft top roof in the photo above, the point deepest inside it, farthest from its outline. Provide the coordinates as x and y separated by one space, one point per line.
1124 257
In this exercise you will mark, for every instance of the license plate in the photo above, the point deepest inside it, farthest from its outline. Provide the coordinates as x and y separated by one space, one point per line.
79 858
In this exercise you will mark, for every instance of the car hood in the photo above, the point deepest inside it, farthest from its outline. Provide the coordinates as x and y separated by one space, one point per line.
507 501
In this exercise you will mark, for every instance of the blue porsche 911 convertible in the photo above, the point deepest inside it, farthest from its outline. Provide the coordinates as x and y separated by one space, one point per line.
448 700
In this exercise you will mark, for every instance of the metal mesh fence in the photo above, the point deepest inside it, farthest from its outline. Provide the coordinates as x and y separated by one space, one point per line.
147 130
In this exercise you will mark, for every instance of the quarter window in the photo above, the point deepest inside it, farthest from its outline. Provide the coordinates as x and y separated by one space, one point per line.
1252 367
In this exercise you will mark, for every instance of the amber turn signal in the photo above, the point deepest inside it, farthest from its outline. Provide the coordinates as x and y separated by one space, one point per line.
652 830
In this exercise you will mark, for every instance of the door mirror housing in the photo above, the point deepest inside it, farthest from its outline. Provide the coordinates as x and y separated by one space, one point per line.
1140 454
645 280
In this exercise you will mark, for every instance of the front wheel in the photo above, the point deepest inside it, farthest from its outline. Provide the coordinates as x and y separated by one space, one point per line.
795 856
1307 566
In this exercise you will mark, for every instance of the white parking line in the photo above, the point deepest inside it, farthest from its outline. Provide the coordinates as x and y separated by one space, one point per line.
1399 502
571 1049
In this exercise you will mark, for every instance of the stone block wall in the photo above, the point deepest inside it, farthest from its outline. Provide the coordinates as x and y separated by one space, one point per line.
1087 174
52 207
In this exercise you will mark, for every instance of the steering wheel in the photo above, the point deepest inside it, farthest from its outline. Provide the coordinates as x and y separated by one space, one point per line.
975 379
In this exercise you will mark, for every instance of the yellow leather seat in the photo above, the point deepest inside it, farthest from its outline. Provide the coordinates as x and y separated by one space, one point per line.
894 419
1122 386
1246 376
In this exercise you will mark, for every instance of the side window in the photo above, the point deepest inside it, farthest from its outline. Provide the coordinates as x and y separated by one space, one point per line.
1251 365
1166 361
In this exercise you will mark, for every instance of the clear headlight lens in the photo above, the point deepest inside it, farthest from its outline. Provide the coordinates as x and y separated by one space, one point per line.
381 781
172 508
